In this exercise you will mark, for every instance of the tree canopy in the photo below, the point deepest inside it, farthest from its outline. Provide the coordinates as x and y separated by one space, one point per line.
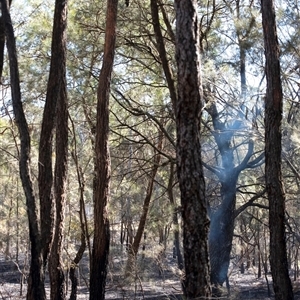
138 131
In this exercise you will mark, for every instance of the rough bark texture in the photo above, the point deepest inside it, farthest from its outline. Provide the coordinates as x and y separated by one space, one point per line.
55 84
58 97
273 117
189 163
102 169
36 288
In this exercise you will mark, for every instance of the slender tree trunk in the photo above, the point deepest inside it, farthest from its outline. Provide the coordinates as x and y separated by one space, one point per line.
134 248
56 271
273 117
83 222
189 162
175 218
162 51
56 82
2 43
102 168
55 117
36 288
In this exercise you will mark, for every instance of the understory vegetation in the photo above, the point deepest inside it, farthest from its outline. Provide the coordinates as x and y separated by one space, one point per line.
126 197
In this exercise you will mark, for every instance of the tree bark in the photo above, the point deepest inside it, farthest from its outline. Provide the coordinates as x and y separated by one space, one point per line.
189 162
56 272
55 117
2 43
102 168
273 117
36 289
175 218
55 84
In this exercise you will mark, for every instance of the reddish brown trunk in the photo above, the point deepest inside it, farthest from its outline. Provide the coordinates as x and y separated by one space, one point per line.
102 168
55 117
273 117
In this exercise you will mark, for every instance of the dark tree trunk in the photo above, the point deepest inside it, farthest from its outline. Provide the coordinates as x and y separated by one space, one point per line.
175 219
102 168
221 232
41 238
36 288
2 44
77 259
83 222
222 219
57 78
273 117
162 51
140 230
189 162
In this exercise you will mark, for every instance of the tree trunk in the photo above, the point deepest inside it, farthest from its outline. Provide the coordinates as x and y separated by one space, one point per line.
55 84
102 168
36 289
189 162
162 51
77 259
58 65
134 248
221 232
84 241
222 219
2 44
175 219
273 117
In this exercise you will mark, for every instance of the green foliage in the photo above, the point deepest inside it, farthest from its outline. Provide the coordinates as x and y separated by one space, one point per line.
141 109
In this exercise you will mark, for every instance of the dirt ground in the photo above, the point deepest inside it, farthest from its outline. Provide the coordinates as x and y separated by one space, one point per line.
152 281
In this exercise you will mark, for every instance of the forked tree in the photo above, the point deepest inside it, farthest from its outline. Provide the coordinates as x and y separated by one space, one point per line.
55 117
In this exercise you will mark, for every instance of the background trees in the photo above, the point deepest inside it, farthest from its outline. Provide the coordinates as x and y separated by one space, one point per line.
142 129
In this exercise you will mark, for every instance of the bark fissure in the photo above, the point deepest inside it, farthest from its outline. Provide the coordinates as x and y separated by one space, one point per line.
274 185
189 162
100 250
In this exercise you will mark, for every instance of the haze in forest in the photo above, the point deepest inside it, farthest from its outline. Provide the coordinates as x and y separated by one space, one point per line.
134 152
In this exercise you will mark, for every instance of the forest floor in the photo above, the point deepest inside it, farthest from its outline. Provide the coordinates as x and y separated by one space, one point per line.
153 279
